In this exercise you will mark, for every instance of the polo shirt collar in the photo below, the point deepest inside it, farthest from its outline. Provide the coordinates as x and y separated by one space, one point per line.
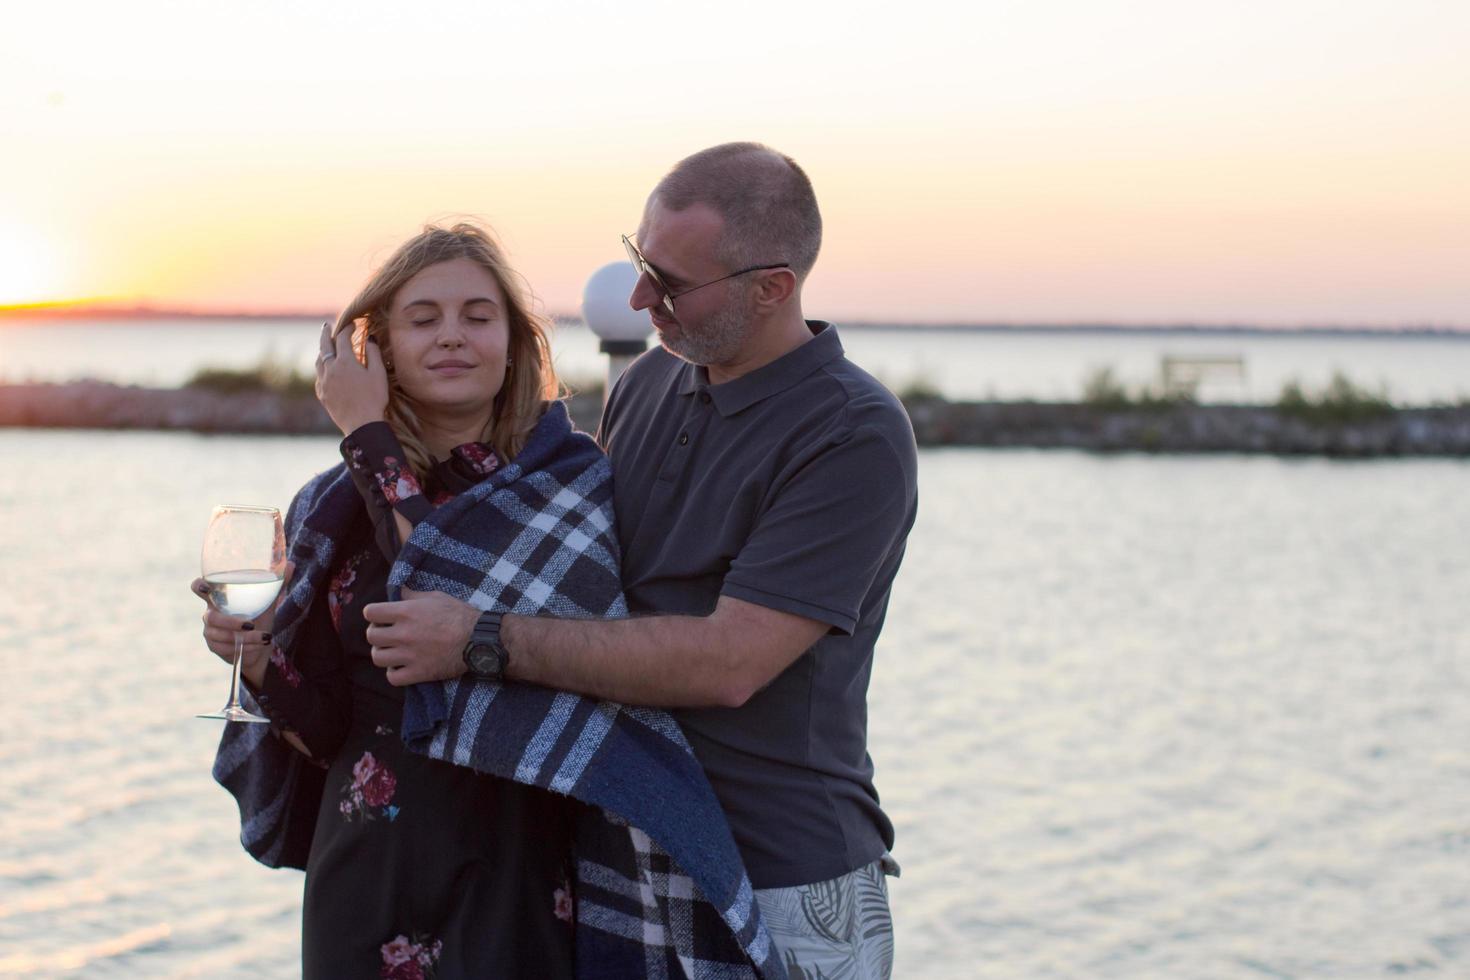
771 379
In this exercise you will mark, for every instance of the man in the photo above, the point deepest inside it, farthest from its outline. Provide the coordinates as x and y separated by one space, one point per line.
764 489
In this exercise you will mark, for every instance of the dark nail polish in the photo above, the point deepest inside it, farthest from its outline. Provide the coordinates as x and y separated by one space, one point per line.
248 627
265 638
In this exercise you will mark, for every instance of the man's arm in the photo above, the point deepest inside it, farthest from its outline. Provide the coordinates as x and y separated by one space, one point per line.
721 659
668 661
847 511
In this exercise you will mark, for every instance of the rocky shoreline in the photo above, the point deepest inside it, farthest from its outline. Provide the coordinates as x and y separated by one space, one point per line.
1189 428
1170 428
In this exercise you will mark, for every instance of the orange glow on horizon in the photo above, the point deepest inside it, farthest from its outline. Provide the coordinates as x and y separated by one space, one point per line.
54 306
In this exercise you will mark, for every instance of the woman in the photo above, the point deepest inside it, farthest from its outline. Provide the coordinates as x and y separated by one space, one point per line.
438 374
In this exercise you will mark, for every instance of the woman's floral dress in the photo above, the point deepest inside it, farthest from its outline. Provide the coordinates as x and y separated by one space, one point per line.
418 868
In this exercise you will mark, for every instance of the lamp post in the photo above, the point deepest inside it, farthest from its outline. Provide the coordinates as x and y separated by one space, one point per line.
624 331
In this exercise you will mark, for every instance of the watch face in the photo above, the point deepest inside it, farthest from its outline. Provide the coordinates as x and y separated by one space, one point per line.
485 660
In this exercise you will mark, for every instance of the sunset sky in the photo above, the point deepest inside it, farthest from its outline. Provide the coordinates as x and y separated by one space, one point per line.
1274 162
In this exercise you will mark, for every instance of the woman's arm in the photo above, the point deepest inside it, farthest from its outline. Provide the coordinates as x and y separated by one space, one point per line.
355 395
305 693
379 469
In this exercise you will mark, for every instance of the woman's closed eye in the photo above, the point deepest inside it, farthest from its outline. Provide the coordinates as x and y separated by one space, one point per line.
480 311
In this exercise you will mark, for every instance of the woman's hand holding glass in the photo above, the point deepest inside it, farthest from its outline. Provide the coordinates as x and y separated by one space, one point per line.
353 393
222 631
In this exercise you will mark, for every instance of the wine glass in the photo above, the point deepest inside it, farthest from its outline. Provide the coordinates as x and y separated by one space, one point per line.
243 562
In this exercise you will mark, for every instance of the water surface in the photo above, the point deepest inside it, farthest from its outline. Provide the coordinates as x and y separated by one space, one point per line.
1132 716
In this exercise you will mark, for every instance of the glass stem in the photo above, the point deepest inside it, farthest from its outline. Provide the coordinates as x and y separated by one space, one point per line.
235 672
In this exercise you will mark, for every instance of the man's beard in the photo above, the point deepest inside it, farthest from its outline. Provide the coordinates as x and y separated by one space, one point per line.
719 338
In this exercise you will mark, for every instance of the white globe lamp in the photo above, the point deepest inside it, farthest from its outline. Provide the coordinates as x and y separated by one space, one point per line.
623 330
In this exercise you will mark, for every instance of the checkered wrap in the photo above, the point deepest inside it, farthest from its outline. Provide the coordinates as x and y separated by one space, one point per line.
661 890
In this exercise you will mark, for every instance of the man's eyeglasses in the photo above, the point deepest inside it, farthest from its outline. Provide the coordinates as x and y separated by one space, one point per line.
667 295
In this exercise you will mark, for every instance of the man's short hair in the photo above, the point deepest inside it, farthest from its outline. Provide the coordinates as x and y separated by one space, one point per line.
766 200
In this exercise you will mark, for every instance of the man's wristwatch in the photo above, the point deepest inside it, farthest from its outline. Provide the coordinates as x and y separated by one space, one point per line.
484 655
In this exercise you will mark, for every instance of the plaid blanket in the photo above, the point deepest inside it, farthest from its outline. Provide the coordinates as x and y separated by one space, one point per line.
661 891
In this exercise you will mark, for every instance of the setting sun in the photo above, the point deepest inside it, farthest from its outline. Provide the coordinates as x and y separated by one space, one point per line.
28 272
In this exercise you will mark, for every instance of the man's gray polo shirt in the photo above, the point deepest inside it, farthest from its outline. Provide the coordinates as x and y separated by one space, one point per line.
793 487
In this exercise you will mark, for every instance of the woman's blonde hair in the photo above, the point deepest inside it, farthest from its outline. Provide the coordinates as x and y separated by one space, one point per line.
530 379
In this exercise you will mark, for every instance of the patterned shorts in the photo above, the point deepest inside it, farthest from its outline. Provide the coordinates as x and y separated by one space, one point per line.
834 930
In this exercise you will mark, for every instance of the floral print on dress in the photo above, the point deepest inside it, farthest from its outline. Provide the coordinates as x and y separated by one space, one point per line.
338 595
410 959
562 903
356 457
284 667
369 793
396 481
480 457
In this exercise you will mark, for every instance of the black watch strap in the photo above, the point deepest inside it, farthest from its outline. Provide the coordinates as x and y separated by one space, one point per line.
487 628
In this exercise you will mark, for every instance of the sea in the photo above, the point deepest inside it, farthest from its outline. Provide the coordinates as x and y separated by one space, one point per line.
1132 715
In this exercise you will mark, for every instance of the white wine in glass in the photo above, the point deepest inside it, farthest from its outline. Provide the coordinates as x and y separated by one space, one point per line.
243 562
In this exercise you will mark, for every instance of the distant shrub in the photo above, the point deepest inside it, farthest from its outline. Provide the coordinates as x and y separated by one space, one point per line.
226 380
1102 389
269 375
1340 402
920 389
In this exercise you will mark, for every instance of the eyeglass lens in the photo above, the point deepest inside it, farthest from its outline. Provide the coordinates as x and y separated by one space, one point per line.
641 264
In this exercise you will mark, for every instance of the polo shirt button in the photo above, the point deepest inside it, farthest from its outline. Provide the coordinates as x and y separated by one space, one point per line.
683 438
704 397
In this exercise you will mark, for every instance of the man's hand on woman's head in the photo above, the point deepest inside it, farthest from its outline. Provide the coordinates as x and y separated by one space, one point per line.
255 634
421 637
353 393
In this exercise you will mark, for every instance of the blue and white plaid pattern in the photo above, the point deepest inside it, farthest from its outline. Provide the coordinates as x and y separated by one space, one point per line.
661 890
